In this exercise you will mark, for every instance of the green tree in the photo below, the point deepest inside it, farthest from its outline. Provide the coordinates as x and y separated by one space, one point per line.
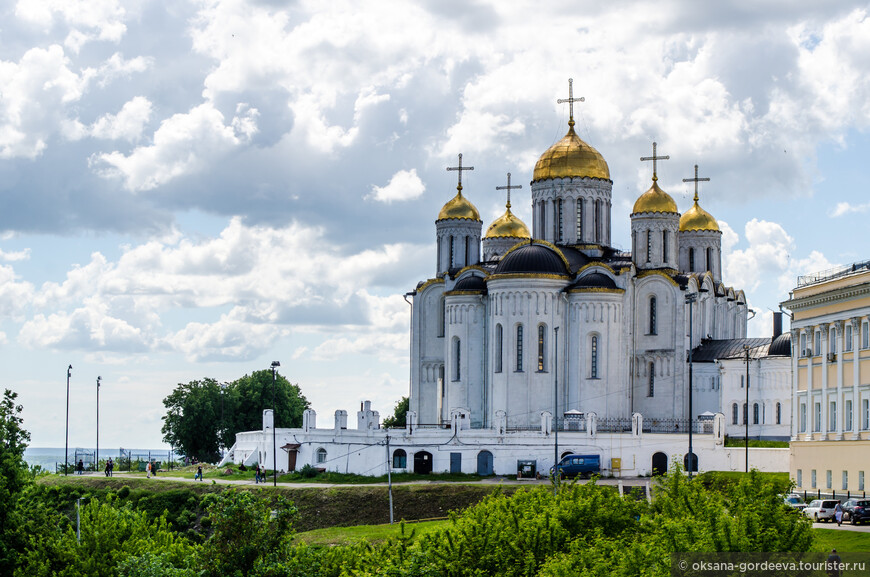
14 477
192 422
399 414
252 394
249 533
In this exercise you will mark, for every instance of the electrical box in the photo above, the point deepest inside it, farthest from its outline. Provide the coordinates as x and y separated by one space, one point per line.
616 464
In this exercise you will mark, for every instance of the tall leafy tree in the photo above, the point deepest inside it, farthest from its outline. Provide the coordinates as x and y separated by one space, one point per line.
192 422
399 418
252 394
14 479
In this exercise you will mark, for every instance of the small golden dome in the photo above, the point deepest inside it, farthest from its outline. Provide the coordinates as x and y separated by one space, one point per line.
696 218
508 225
459 207
571 157
655 200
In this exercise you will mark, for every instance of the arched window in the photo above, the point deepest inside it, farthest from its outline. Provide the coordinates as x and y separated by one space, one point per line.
457 346
519 348
579 220
755 414
648 246
664 246
778 413
652 380
400 459
593 364
452 253
320 456
652 316
467 250
499 348
734 413
559 229
597 216
442 317
710 259
745 414
542 346
691 260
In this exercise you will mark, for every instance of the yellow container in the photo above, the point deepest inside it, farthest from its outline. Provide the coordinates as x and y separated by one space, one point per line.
615 464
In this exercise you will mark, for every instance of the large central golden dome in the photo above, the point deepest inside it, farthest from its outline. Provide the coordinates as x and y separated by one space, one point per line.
508 225
655 200
459 207
571 157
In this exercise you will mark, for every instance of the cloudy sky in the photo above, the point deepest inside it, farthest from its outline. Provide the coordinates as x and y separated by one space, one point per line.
198 188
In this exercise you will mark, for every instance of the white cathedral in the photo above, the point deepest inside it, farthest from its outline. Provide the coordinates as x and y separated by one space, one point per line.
521 333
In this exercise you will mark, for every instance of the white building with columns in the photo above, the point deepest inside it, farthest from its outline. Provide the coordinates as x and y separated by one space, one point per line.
520 333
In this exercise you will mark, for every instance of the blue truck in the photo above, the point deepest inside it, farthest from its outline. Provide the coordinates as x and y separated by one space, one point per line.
578 465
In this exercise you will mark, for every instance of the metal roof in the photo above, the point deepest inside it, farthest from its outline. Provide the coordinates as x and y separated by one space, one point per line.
714 350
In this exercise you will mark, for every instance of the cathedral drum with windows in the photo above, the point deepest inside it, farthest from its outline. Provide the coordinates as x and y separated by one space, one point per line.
501 311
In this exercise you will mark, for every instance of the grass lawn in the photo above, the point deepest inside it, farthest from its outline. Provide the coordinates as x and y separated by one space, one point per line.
370 533
842 541
757 443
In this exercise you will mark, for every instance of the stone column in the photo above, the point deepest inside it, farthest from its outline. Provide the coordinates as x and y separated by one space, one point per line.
856 377
824 327
795 407
838 330
811 414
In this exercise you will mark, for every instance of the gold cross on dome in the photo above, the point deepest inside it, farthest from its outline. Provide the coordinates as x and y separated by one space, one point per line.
654 158
508 189
696 180
460 168
571 100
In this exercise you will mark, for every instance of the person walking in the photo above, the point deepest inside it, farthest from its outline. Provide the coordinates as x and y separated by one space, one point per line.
838 514
148 470
198 474
80 468
111 467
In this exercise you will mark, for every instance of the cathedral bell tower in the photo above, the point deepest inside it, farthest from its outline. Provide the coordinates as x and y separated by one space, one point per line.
655 221
700 238
458 230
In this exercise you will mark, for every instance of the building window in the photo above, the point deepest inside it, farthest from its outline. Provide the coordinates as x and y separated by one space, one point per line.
320 456
664 246
441 381
803 344
865 335
593 372
847 346
691 260
742 384
860 480
442 317
652 380
579 220
745 414
832 416
755 414
829 480
457 348
653 330
832 341
817 425
803 422
542 346
467 251
845 480
400 459
559 219
499 348
734 411
818 343
848 416
519 348
813 478
648 246
597 221
865 414
452 253
800 478
778 413
710 259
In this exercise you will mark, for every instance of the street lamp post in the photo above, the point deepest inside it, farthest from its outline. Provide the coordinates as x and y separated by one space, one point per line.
690 300
223 422
97 457
66 442
275 365
746 410
556 410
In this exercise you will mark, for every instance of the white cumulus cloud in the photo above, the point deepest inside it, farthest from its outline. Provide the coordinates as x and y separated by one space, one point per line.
404 185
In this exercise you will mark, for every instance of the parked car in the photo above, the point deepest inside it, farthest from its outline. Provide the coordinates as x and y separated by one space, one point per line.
794 501
578 465
856 511
821 510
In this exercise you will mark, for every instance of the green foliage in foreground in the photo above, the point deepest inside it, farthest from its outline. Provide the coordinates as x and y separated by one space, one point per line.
851 541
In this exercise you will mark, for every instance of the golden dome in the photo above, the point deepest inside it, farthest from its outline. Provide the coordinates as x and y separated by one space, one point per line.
459 207
696 218
508 225
571 157
655 200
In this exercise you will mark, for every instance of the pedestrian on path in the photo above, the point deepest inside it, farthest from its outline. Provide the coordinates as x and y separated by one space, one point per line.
198 474
148 470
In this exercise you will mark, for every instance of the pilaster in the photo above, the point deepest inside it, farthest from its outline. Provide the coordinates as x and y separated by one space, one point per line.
838 328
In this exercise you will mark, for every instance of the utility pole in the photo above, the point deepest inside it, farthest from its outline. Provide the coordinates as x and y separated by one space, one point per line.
746 410
690 300
275 365
390 478
66 442
556 471
97 457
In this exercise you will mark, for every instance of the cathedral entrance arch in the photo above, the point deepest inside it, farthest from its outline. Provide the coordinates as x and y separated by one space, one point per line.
422 463
694 468
484 463
659 463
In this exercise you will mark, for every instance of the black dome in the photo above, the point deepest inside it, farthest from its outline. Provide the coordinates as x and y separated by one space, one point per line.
781 346
595 280
470 283
532 259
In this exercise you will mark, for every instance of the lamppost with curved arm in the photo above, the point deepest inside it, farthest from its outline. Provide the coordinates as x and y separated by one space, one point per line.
275 365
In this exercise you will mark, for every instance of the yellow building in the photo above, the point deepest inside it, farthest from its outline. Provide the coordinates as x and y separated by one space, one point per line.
830 431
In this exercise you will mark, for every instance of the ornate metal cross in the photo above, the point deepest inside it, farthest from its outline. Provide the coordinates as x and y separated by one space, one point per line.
654 158
460 168
696 180
508 189
570 100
